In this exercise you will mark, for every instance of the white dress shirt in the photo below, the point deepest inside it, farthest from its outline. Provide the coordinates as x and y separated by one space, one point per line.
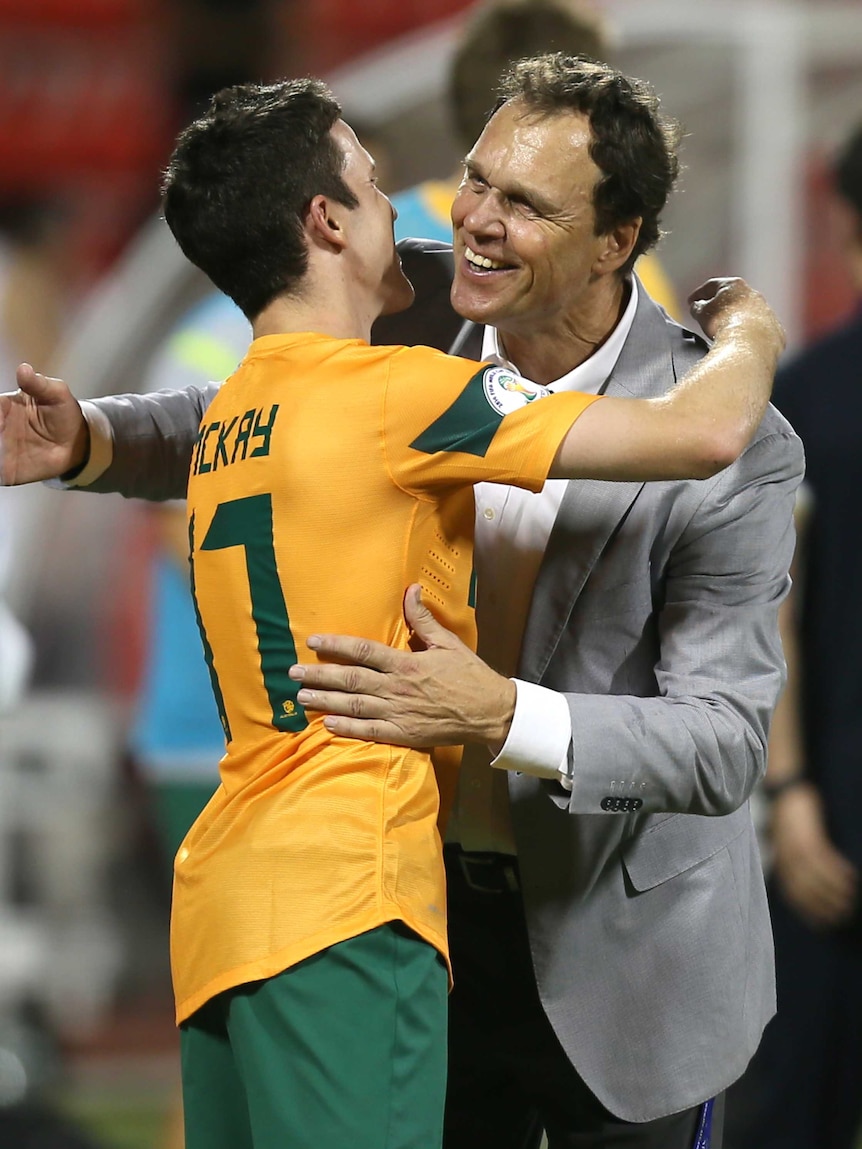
512 531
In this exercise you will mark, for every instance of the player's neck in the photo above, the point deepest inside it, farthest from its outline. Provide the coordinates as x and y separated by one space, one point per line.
332 312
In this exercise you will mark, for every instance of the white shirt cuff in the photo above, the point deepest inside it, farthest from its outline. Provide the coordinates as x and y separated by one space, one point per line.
101 449
540 736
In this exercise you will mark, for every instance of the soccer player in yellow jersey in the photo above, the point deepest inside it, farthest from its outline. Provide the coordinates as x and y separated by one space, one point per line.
308 926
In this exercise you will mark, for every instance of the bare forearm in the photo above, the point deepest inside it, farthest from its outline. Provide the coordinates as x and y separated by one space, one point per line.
721 401
786 758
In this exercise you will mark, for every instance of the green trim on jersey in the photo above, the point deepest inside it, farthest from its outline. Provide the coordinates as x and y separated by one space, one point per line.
247 523
468 426
208 650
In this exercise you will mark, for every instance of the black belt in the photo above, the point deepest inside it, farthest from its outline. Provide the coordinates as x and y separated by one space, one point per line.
485 872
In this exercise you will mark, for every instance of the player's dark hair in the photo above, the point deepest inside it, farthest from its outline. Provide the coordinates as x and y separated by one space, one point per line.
240 181
633 144
503 31
848 172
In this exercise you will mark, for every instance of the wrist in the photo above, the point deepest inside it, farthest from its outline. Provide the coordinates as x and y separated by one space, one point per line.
500 715
772 790
750 332
79 452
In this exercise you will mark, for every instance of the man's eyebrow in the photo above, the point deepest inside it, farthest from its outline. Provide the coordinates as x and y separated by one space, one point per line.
515 190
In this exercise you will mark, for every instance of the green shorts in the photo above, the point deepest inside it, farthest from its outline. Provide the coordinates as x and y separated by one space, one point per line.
176 805
346 1050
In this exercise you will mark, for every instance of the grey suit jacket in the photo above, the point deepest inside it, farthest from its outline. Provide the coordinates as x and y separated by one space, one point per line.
655 612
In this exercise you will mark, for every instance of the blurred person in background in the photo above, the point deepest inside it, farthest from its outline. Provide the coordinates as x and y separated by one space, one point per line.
496 35
606 984
804 1088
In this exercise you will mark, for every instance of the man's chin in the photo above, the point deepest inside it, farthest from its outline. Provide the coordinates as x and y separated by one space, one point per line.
478 308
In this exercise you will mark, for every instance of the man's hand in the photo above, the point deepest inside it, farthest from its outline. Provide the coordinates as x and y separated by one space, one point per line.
441 696
722 303
43 432
818 881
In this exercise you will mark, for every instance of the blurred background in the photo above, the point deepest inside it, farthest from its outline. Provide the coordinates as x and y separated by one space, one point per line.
92 93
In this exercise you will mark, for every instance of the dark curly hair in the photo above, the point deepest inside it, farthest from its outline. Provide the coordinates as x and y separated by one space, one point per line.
240 181
633 144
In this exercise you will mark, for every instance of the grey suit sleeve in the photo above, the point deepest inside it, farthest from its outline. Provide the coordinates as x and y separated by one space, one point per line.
699 746
153 440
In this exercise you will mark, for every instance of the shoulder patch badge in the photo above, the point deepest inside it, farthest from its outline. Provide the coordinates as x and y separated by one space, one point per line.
507 392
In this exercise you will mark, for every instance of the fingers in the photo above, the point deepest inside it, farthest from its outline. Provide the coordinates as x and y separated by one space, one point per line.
25 377
334 676
718 298
377 655
833 883
40 387
821 884
358 651
727 301
423 623
336 702
708 290
386 732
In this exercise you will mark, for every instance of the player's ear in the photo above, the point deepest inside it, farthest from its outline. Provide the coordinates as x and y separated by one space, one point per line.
323 223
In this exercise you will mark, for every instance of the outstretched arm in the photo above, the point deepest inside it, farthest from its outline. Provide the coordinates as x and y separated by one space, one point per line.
151 441
703 423
143 442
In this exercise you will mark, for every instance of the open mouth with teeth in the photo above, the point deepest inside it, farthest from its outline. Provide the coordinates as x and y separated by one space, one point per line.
483 263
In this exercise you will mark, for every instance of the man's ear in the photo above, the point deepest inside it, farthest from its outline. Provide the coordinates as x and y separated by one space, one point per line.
618 245
323 222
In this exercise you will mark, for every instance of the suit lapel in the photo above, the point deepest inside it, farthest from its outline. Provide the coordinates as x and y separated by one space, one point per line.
591 511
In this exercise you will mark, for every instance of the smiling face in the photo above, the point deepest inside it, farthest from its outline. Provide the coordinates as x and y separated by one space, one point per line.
375 263
527 258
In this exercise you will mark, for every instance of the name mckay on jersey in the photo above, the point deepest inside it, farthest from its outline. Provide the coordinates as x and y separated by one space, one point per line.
219 444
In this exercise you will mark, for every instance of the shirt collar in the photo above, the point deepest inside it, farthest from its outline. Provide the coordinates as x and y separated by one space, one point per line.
589 376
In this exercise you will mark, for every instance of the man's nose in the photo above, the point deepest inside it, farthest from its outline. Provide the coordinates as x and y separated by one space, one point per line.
485 216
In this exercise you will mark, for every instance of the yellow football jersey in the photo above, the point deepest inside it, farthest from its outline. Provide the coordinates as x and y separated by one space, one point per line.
328 475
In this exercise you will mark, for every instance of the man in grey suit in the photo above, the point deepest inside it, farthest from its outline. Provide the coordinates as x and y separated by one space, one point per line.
609 931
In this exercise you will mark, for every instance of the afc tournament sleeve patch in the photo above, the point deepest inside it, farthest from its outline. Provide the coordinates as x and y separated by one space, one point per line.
470 423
